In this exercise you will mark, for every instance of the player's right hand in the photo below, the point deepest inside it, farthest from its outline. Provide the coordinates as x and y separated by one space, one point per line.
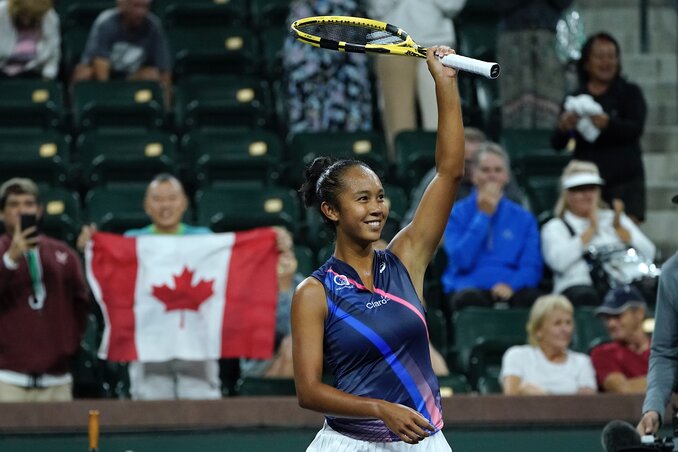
649 424
409 425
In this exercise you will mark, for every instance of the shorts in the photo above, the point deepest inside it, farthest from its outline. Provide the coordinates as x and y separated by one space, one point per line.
329 440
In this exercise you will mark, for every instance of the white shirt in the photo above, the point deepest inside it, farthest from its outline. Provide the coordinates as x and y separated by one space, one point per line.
563 252
428 22
531 365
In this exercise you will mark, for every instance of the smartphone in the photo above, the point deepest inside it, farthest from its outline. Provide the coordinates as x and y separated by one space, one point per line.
28 220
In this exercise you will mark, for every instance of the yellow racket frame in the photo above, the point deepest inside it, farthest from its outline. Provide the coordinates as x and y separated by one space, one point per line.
407 48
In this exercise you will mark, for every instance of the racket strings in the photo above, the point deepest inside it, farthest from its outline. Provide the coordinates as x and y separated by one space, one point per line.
352 34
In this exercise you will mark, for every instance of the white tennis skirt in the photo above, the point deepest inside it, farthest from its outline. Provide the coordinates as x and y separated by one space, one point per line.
329 440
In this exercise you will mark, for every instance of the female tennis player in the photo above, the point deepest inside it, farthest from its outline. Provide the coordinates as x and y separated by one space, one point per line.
361 311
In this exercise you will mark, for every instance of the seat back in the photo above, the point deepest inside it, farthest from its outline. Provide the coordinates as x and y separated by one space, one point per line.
415 153
126 155
117 103
41 156
368 147
225 101
236 154
36 104
235 207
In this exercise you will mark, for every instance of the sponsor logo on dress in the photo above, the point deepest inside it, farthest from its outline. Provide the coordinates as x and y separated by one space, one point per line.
377 303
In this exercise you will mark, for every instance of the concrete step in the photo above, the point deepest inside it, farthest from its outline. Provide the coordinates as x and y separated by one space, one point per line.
654 67
663 169
660 139
660 227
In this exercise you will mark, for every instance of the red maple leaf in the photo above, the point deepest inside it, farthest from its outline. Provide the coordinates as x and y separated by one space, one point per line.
184 296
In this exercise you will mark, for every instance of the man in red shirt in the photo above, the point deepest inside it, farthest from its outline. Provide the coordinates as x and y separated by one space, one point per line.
621 365
44 302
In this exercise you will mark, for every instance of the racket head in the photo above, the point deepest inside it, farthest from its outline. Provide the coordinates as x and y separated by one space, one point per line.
355 34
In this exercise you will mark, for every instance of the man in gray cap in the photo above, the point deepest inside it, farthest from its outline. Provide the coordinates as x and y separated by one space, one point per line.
621 364
45 302
664 349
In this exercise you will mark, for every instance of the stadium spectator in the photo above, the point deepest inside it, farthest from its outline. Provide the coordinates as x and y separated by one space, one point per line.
45 301
473 140
30 43
546 365
533 83
491 243
663 367
126 42
621 365
404 84
583 220
608 131
165 204
288 279
325 91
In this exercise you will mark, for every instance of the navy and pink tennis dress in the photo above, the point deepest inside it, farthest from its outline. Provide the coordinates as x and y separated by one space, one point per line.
376 343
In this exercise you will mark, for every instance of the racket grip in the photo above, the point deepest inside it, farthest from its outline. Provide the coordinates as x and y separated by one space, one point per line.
93 430
484 68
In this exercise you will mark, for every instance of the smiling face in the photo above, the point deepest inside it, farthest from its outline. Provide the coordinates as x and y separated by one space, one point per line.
490 168
362 211
165 204
555 332
624 326
602 64
583 200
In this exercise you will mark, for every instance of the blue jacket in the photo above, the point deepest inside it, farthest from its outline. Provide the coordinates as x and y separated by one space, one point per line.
484 250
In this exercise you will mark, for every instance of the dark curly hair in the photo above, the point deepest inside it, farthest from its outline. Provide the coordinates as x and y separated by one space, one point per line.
324 181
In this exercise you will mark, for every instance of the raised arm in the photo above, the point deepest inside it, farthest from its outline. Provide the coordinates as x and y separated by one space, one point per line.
309 311
417 242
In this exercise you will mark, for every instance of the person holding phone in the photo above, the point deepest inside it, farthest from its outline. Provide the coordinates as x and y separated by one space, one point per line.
44 302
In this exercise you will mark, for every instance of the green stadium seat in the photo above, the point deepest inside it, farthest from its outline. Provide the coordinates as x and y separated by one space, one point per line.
201 13
314 232
485 360
261 386
30 103
474 326
81 13
488 104
453 384
110 155
226 101
269 13
40 156
368 147
396 198
117 208
415 156
213 50
72 46
239 206
325 252
87 373
490 384
437 329
305 259
519 143
272 51
477 34
589 330
539 173
237 154
117 103
542 193
61 216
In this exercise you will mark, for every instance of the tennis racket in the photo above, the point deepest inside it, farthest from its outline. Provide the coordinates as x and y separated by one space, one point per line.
356 34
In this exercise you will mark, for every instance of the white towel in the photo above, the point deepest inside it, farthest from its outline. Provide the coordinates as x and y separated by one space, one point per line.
584 106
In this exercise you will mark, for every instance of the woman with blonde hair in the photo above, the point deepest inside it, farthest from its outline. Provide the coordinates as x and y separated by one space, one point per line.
29 39
583 220
546 365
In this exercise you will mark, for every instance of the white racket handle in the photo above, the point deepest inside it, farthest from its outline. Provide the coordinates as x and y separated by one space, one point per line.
484 68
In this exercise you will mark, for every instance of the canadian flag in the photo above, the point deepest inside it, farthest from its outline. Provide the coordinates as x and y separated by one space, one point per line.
192 297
